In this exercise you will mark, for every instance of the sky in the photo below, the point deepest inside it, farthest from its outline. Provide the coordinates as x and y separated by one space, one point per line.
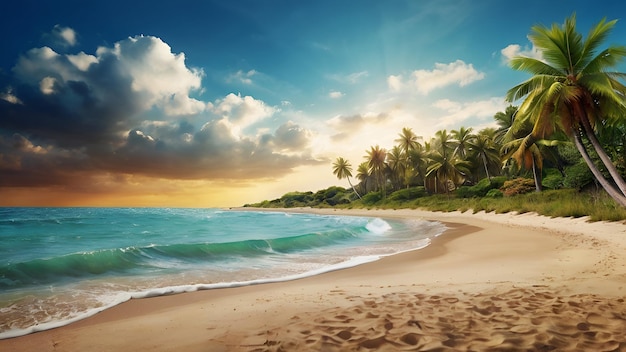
225 103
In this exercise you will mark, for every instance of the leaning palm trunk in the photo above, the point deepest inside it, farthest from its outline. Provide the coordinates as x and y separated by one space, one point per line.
606 160
353 189
617 196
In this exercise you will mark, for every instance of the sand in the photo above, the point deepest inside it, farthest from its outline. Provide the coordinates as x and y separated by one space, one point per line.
491 282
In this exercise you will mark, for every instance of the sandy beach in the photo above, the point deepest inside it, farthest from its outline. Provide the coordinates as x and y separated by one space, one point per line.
491 282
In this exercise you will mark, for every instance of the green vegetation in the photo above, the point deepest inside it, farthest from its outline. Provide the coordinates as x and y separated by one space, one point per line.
549 156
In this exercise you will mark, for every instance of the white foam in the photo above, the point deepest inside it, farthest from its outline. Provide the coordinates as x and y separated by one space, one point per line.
378 226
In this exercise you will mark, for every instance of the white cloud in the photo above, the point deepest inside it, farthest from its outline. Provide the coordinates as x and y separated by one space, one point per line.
455 73
157 73
242 111
10 97
514 50
157 76
395 83
64 36
335 95
243 77
82 61
458 113
46 85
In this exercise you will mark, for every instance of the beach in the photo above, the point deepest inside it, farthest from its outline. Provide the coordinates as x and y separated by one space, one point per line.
491 282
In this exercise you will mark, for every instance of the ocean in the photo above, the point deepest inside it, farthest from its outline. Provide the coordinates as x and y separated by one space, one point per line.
59 265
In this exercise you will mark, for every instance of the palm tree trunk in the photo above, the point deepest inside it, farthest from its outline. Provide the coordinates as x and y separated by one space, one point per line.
353 189
537 176
617 196
486 168
619 180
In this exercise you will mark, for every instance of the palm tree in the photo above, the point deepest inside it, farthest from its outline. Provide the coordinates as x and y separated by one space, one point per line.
483 148
343 169
527 155
462 137
397 161
364 176
376 163
408 141
448 170
574 90
443 141
505 121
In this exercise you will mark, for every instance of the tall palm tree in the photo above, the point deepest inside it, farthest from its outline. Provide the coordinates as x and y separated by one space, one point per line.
343 169
364 177
408 141
527 155
376 163
397 161
443 142
483 148
574 89
448 170
462 137
504 120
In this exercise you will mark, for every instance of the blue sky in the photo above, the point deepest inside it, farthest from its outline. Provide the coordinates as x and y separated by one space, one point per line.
219 103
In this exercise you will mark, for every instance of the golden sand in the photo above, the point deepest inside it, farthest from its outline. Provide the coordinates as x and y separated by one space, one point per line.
492 282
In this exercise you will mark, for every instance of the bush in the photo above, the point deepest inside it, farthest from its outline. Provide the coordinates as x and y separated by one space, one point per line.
407 194
518 186
494 193
577 176
481 188
372 197
554 181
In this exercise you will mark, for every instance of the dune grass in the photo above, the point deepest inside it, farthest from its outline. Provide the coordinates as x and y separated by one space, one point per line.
555 203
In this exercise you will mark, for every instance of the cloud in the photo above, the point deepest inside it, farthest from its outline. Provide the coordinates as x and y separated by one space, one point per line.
424 81
514 50
457 113
395 83
127 109
242 111
63 36
335 95
243 77
345 126
352 78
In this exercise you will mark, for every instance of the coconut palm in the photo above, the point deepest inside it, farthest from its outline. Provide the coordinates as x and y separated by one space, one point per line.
376 163
505 121
408 141
573 89
448 171
483 149
397 162
364 177
343 169
462 137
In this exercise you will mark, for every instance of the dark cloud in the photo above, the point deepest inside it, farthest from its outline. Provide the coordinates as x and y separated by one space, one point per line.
128 110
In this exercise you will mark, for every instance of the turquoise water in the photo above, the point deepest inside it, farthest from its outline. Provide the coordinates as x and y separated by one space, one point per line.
58 265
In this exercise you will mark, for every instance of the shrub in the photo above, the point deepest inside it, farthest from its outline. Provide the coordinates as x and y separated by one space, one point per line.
494 193
481 188
407 194
372 197
577 176
518 186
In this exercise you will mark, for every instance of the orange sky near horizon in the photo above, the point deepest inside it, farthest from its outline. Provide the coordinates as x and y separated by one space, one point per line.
150 192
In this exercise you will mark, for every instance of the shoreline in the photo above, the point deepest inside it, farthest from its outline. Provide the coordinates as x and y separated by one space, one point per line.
516 257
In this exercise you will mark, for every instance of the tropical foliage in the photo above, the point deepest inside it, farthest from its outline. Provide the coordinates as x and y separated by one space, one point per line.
568 133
